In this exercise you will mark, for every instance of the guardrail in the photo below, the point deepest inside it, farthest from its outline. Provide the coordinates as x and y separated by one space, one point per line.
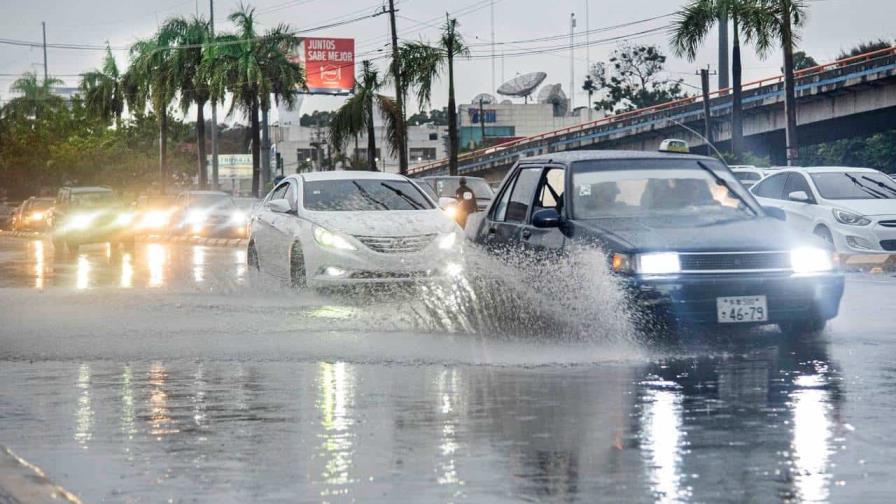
801 75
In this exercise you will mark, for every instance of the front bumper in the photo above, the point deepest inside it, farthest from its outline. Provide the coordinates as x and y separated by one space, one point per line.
692 298
871 239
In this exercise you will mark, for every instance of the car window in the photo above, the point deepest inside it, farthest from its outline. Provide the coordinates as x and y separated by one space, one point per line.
280 191
748 176
291 195
501 209
523 194
550 193
797 182
772 187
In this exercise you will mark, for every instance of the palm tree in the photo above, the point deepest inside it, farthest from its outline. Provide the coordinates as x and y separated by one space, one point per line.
103 91
193 35
355 116
694 24
422 64
152 78
252 68
36 97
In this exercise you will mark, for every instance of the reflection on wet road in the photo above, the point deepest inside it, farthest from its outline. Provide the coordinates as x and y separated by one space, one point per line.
271 402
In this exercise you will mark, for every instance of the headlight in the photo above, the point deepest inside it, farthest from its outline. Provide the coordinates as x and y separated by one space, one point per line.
447 242
329 239
124 219
850 219
810 260
154 219
37 216
81 221
451 211
238 217
196 217
659 263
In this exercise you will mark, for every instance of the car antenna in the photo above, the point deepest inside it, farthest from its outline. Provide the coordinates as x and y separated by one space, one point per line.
719 154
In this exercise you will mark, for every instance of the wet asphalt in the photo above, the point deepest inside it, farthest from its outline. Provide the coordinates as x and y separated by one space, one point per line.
166 375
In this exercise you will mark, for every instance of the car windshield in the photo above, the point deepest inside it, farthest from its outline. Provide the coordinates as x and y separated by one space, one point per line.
41 204
245 203
364 195
211 201
747 176
447 188
676 190
91 199
854 185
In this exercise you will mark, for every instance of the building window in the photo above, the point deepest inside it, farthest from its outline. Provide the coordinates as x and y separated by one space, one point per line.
307 155
433 136
422 154
362 153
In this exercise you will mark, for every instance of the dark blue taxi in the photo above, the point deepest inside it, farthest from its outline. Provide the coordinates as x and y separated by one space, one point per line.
686 239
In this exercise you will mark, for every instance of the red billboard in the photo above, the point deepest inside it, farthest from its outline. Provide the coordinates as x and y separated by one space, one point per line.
329 65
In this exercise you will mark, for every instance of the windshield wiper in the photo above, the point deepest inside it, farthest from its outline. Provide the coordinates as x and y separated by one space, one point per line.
879 184
368 197
414 203
876 194
722 182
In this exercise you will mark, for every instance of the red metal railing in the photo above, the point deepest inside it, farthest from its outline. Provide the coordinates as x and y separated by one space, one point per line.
658 108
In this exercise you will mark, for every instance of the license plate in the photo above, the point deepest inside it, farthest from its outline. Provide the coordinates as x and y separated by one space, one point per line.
741 309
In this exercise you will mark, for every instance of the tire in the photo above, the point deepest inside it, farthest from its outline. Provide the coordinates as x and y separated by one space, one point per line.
297 276
252 258
825 234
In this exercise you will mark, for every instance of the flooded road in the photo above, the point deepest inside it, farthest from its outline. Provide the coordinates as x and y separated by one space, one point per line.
163 375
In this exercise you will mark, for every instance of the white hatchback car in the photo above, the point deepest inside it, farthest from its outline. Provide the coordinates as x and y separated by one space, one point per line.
352 227
853 209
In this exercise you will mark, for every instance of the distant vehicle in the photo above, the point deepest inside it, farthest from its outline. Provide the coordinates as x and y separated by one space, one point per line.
687 241
852 209
209 213
153 213
83 215
352 227
247 205
748 175
445 187
34 214
8 211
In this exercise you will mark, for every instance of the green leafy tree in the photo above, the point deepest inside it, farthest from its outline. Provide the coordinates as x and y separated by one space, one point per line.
632 79
866 47
103 91
802 61
254 66
356 115
35 97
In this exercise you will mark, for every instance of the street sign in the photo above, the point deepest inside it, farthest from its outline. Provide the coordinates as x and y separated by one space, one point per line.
329 65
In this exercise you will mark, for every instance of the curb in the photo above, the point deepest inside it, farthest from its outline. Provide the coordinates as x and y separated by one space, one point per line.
22 481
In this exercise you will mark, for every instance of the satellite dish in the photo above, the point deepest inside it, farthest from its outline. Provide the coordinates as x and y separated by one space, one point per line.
486 98
553 94
522 85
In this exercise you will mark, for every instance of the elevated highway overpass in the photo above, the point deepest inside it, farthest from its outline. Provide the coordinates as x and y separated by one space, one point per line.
847 98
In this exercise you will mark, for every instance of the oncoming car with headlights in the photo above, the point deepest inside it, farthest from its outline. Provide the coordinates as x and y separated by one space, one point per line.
83 215
686 240
351 227
209 214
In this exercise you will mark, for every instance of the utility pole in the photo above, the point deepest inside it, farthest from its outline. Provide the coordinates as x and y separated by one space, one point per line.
494 84
399 99
265 149
43 26
707 126
572 62
481 122
215 186
588 46
791 142
724 68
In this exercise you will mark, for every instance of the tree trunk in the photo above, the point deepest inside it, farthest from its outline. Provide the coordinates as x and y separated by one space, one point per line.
256 148
163 149
200 146
265 149
737 125
371 140
452 115
789 87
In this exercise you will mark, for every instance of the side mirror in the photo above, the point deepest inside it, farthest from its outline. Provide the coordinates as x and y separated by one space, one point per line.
775 213
446 201
546 218
798 196
279 206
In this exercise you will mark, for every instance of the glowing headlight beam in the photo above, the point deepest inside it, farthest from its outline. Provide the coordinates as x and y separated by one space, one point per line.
659 263
811 260
329 239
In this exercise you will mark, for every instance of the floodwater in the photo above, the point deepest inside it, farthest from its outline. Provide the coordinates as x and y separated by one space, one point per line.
165 376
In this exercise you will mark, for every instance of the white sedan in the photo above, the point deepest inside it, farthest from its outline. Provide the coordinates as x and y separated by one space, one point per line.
853 209
352 227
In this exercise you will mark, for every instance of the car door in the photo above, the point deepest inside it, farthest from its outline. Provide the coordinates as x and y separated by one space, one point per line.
282 232
263 231
549 194
799 213
769 191
513 209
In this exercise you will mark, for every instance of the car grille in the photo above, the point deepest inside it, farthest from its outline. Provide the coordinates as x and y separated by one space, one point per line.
888 245
389 275
396 244
735 261
888 223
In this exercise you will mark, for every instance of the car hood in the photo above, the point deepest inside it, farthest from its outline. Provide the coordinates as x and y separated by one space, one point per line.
385 223
870 207
763 233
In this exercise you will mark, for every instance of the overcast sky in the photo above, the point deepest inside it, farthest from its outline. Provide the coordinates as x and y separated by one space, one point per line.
833 25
